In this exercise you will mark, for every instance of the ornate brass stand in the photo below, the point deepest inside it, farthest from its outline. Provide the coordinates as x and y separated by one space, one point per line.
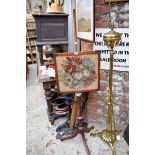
111 39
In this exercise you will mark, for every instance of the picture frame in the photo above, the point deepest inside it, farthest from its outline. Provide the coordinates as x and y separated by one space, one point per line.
77 72
85 19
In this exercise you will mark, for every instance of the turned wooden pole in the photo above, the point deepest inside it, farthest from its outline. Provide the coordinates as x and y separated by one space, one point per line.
75 108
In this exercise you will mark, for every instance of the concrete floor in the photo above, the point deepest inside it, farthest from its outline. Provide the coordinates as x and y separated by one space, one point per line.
41 135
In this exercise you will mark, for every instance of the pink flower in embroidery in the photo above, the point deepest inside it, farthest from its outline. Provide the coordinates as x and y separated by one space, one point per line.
74 60
78 61
69 59
72 63
70 68
82 72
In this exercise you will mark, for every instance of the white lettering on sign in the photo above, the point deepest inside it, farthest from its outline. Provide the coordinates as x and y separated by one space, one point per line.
121 52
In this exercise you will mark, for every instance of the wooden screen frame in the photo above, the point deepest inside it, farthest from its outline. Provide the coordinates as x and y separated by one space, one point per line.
57 69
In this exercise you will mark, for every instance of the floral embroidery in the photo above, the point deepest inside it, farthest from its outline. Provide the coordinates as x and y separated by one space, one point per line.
78 72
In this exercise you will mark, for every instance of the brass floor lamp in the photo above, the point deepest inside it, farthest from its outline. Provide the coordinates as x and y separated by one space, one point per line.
111 39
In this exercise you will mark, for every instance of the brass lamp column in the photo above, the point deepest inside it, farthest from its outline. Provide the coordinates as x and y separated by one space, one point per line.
111 39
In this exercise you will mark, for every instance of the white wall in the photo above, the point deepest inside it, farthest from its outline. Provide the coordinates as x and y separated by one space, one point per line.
68 9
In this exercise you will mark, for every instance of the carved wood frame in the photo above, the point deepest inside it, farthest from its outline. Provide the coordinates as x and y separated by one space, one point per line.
93 75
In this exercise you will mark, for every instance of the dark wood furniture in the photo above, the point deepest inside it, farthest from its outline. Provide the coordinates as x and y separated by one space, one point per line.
52 29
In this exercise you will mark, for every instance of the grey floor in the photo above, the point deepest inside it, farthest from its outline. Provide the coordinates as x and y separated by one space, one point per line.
41 135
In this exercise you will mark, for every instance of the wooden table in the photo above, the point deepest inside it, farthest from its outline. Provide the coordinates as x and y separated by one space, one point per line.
48 83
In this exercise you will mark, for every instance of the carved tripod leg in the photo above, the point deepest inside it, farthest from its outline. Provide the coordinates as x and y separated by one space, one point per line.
82 130
85 144
82 127
87 130
69 134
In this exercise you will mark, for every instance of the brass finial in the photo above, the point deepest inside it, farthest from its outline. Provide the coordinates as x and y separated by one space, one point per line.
111 38
112 26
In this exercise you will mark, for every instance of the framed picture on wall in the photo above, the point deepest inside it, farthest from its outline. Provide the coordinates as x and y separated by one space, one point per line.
77 73
85 19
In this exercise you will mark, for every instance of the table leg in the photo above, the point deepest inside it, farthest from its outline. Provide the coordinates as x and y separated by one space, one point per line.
48 96
40 50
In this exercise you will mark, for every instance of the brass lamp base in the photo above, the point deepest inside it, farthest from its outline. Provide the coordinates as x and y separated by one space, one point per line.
107 136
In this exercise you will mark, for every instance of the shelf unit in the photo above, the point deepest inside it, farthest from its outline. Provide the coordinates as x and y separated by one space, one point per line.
31 37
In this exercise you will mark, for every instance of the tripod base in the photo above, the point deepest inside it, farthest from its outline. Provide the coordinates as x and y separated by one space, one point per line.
71 129
79 128
107 136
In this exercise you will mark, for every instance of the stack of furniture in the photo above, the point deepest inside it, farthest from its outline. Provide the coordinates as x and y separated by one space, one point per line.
31 37
52 29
